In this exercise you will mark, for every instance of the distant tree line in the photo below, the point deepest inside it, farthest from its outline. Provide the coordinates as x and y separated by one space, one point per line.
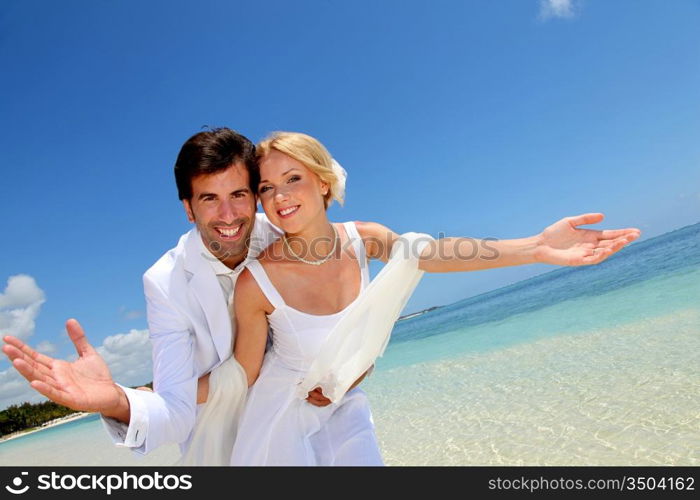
27 415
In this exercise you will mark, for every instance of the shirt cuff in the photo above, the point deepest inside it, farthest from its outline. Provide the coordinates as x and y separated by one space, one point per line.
132 435
115 429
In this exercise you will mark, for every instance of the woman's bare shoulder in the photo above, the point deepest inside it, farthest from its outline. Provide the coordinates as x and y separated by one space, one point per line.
369 229
249 295
377 238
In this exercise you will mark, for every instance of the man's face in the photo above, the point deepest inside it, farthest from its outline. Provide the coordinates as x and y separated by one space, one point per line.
223 207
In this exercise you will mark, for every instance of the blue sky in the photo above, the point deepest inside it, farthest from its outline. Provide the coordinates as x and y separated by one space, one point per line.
467 118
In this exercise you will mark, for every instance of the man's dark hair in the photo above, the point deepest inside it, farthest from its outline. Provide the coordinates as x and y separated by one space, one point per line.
214 151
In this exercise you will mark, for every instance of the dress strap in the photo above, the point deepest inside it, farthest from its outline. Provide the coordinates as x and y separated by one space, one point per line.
360 251
268 289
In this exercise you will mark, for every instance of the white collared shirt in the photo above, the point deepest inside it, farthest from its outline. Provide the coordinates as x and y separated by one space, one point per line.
224 274
261 237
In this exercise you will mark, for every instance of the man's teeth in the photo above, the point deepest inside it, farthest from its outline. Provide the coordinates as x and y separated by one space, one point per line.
230 232
288 211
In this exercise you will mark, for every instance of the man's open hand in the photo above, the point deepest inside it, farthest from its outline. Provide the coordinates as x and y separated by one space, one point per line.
84 384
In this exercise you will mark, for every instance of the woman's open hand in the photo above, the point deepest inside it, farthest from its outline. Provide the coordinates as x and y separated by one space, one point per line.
564 244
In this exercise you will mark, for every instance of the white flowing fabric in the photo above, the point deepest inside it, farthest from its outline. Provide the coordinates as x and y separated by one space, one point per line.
362 335
215 431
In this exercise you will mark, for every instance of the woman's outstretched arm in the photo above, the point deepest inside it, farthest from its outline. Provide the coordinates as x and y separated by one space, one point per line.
562 243
251 325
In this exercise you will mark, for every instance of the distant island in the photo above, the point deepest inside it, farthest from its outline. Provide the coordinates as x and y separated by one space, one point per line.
413 315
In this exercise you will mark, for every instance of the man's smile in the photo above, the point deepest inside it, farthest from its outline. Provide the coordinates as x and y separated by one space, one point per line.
229 233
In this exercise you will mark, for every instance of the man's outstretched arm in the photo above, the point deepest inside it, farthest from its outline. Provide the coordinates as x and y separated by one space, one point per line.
84 384
142 420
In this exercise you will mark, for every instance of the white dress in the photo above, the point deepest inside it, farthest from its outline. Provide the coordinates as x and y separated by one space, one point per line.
279 428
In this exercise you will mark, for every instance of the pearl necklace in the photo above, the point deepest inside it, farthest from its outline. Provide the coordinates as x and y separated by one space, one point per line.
313 262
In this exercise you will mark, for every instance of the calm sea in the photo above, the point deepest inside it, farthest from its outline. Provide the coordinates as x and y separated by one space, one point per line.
579 366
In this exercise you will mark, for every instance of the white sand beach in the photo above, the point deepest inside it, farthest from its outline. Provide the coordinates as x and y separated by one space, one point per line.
46 425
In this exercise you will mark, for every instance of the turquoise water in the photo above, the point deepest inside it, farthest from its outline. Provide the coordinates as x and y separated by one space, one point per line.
667 255
50 440
580 366
79 442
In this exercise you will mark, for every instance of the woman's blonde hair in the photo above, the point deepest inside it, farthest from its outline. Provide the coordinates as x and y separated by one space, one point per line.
309 152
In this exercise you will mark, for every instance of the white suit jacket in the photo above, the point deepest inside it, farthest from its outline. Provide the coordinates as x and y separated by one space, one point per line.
191 332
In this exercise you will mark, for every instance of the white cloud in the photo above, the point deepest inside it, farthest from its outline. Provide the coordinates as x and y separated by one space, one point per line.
691 196
557 8
19 306
127 314
46 347
128 356
15 389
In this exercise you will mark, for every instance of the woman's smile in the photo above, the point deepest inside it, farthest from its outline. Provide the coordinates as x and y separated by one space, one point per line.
288 212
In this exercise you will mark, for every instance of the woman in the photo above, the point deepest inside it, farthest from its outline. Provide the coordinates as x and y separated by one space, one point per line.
301 285
305 282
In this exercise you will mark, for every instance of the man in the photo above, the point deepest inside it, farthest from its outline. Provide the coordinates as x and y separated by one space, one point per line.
188 293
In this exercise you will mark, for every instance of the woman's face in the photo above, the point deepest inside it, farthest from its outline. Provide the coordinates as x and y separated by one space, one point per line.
290 193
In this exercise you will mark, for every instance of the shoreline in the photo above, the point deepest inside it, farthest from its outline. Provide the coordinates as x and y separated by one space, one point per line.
51 423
